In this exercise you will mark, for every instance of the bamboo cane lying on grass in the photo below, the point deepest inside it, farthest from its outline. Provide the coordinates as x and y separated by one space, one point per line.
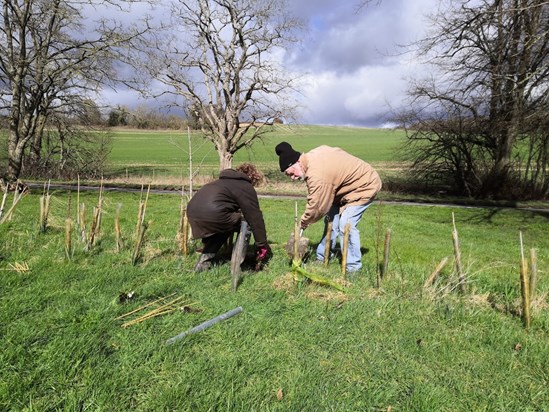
163 309
19 267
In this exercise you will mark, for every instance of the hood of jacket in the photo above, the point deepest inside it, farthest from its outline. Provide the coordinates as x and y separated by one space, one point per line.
233 174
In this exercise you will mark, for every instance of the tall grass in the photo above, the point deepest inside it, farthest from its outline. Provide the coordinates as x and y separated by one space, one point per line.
295 346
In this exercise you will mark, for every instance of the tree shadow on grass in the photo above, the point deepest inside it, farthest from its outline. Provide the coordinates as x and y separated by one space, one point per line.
487 215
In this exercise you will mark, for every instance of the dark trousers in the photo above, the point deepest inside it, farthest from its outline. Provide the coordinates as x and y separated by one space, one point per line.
213 243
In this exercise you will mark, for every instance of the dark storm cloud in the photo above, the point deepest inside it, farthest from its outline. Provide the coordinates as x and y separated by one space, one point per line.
356 68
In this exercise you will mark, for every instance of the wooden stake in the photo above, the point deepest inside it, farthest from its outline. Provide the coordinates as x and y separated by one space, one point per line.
328 248
139 242
183 228
386 249
431 279
117 232
186 233
524 287
68 238
457 254
533 273
100 208
345 248
82 214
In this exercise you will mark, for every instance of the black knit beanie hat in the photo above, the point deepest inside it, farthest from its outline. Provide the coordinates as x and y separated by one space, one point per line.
287 155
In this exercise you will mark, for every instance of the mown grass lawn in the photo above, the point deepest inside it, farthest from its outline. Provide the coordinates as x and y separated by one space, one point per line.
295 346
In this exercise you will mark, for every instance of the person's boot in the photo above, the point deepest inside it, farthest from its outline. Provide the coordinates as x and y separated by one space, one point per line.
204 262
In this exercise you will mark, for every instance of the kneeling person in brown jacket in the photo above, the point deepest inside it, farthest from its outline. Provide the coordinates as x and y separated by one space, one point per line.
216 210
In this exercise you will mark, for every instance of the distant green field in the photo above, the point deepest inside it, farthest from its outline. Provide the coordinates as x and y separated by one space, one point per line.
167 152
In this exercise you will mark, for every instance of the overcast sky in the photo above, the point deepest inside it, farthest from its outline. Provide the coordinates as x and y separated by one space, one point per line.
355 71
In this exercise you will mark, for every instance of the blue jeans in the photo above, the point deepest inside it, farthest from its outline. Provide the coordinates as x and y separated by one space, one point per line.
352 215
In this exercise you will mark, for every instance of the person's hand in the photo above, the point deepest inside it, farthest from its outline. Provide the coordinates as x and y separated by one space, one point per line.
262 256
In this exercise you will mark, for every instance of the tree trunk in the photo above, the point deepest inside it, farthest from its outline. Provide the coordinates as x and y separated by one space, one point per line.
225 159
15 157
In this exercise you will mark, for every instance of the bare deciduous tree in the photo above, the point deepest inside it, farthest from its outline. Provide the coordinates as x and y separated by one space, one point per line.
50 64
474 117
224 67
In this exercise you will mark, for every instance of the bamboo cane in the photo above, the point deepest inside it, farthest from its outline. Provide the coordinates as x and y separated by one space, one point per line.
153 313
386 249
4 198
457 254
297 258
161 310
533 273
78 203
328 246
19 267
431 279
9 213
147 316
524 287
345 248
143 307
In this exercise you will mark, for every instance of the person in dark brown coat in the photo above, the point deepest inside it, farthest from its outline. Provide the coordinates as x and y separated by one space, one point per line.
216 210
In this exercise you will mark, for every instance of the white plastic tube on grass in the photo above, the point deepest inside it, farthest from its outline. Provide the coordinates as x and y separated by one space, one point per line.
205 325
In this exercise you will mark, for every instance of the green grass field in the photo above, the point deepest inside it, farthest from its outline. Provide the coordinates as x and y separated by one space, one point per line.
297 347
167 152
